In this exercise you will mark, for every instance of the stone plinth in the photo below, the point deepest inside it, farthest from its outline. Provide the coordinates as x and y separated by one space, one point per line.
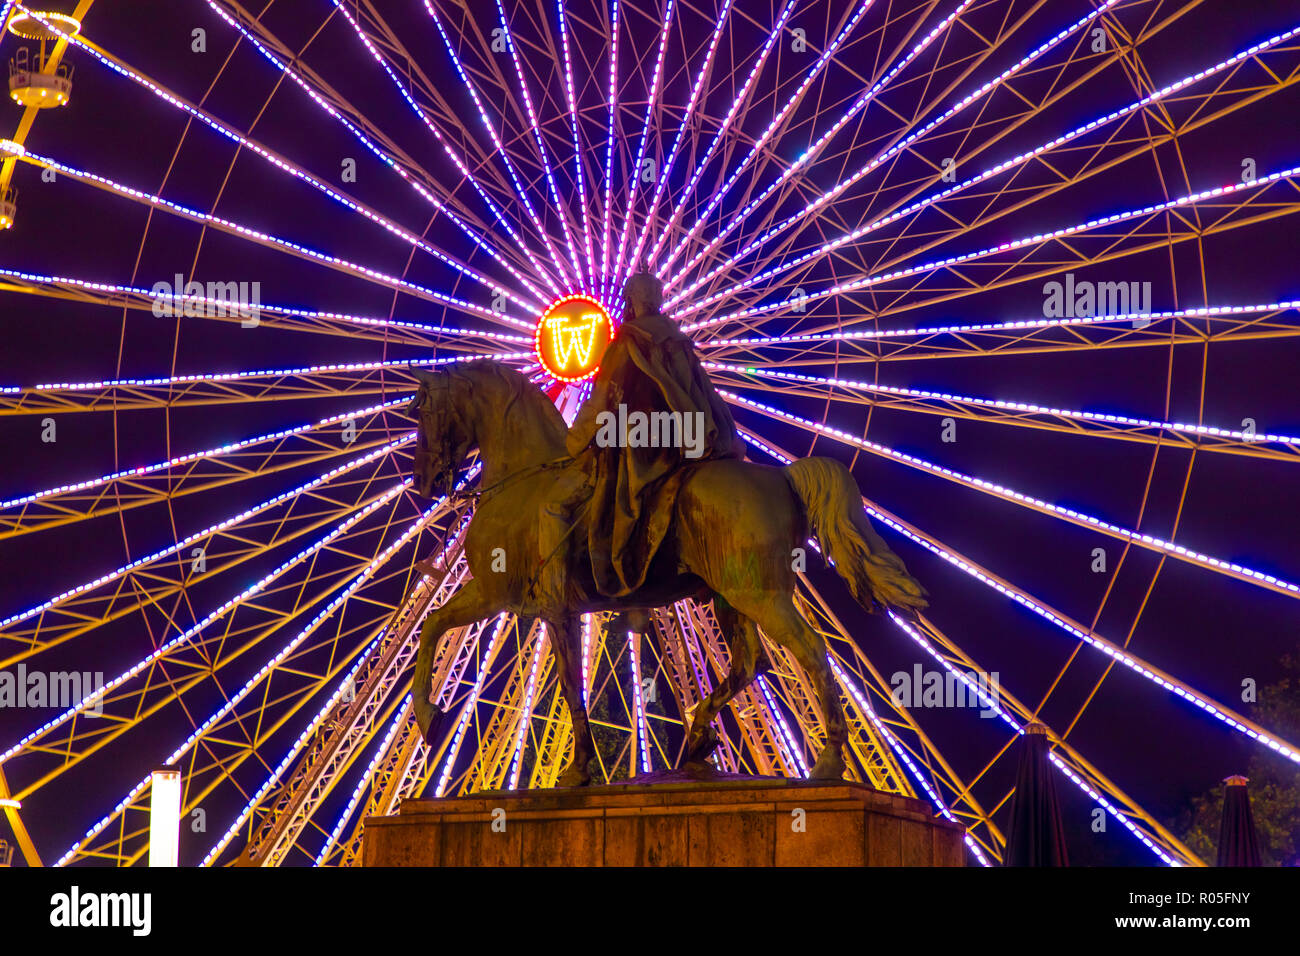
719 823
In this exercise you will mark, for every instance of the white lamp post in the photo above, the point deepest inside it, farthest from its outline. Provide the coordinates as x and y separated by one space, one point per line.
164 817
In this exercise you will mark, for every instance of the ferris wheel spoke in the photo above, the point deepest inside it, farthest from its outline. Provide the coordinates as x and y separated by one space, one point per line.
456 158
225 735
287 819
371 139
612 108
687 119
225 309
275 242
187 474
561 210
199 661
353 711
1096 230
1017 337
1022 414
1077 770
810 154
156 581
1073 767
403 719
292 169
557 260
652 97
593 275
1197 105
777 123
724 125
337 380
1082 519
1085 635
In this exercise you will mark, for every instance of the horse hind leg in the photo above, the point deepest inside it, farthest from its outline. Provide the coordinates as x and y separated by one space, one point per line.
783 624
746 649
566 645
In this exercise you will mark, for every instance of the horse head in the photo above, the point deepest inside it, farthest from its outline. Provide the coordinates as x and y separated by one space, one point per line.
444 437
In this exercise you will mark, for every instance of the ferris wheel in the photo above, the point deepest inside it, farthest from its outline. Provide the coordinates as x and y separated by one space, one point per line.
904 233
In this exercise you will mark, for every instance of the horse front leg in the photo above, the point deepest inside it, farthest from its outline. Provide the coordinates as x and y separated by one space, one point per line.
566 644
466 606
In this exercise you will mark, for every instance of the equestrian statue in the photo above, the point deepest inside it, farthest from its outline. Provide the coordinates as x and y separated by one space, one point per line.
589 521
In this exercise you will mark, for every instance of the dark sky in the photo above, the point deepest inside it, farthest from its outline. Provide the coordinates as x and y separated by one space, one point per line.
1209 630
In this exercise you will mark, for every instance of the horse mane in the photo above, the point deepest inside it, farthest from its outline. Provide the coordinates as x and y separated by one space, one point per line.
518 389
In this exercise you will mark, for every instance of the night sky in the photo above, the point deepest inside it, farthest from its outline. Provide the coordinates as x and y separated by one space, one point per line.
1209 630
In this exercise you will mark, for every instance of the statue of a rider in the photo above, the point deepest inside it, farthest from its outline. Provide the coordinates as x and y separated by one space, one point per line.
630 477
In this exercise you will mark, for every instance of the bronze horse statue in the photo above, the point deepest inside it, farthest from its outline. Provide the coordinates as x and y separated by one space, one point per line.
735 533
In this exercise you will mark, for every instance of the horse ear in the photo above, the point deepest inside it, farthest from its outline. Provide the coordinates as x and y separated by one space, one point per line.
426 377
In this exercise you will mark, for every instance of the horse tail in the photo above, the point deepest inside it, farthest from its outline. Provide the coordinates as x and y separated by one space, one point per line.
833 504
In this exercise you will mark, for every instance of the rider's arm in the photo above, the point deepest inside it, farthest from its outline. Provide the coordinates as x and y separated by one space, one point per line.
584 426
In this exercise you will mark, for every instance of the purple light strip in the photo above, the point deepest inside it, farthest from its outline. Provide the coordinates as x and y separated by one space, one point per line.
700 165
815 149
285 245
575 260
526 713
917 206
246 143
767 133
785 738
577 149
1021 243
184 636
207 532
642 732
1240 572
609 156
1208 311
246 376
1152 424
1110 649
665 31
556 259
216 452
705 70
455 157
114 289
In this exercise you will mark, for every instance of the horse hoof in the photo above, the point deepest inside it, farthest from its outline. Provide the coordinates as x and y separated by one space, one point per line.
829 766
429 720
699 749
574 776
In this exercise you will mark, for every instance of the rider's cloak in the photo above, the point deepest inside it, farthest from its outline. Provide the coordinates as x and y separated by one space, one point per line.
649 367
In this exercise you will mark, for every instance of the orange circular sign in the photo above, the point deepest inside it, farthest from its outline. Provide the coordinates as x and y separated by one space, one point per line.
572 336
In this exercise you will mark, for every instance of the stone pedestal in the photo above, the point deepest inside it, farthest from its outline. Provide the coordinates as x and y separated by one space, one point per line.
751 822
